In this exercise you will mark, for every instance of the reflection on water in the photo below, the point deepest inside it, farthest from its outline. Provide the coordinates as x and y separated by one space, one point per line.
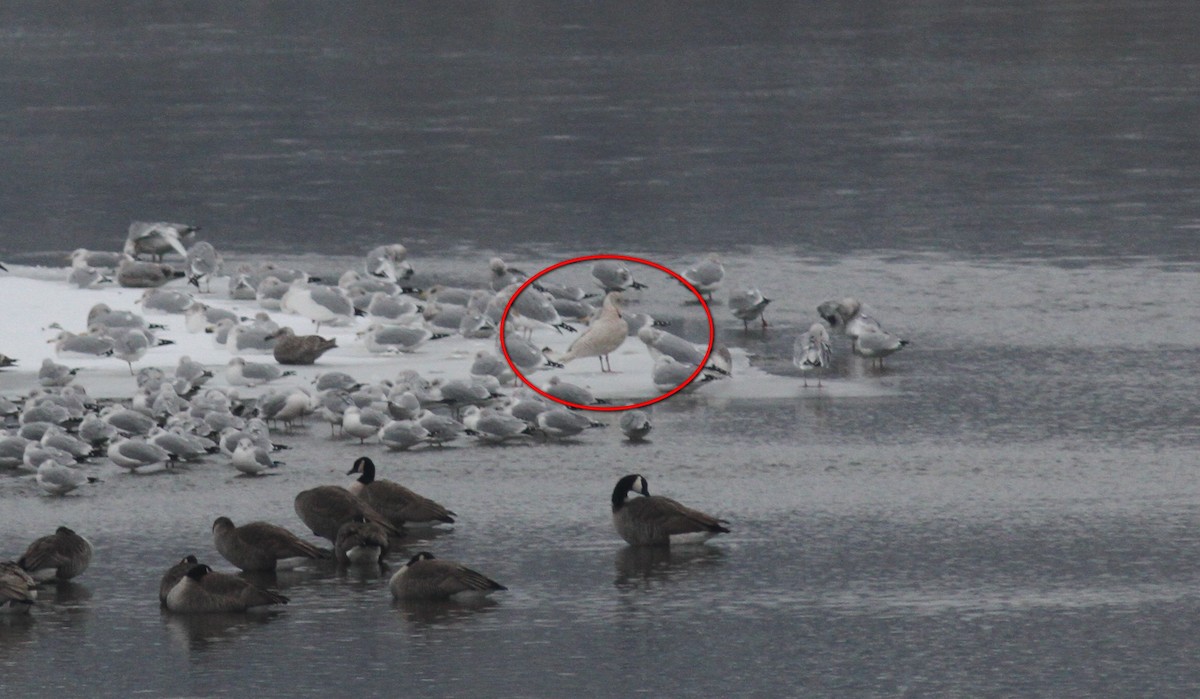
643 566
65 593
444 612
196 632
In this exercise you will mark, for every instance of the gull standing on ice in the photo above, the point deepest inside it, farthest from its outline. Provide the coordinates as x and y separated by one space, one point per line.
202 263
157 239
706 276
613 275
606 333
811 351
748 304
320 304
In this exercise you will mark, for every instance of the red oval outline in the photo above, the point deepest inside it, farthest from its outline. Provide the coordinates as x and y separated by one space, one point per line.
712 333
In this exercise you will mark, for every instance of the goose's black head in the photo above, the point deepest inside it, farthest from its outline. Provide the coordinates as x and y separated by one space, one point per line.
634 483
197 572
364 466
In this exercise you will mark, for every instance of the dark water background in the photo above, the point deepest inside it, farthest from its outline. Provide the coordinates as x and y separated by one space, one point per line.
1026 128
1012 512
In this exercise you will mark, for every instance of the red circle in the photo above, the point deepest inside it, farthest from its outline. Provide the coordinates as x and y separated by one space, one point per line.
624 258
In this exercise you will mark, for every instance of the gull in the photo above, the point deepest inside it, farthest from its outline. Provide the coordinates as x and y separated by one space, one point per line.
270 292
488 364
133 274
493 426
57 437
157 239
137 454
635 425
291 348
399 435
191 371
104 259
320 304
533 309
604 336
12 450
560 423
54 374
385 308
876 344
613 275
248 338
662 343
388 262
403 404
56 479
748 304
570 393
166 300
848 317
131 344
202 262
811 351
239 372
441 428
380 338
503 275
7 361
251 459
182 446
525 355
83 344
707 275
200 317
362 422
126 421
86 277
668 374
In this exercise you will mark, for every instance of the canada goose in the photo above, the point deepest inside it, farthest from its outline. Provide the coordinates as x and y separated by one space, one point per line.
426 577
398 504
201 590
360 541
173 575
325 508
653 520
18 591
62 555
261 545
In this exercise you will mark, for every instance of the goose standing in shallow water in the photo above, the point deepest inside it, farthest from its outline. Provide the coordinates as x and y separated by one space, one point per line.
360 541
654 520
426 577
18 591
201 590
262 546
61 555
325 508
398 504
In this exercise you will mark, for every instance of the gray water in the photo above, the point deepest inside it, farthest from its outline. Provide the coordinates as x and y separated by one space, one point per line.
1011 507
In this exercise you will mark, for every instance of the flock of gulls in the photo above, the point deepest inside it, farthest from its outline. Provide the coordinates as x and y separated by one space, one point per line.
175 416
